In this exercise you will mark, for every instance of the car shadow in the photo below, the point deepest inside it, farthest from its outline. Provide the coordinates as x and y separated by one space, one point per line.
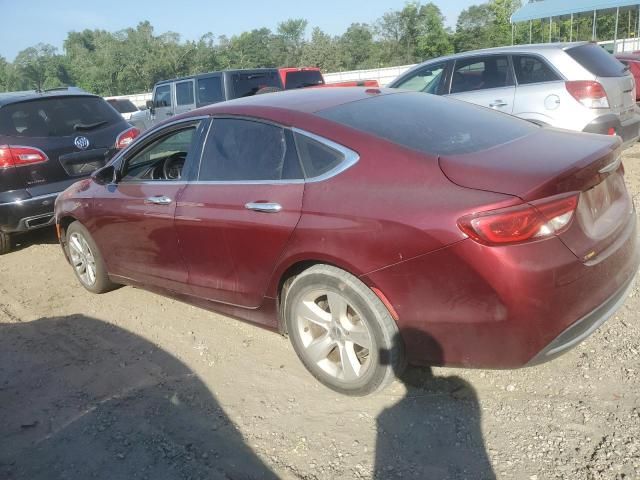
81 398
434 431
41 236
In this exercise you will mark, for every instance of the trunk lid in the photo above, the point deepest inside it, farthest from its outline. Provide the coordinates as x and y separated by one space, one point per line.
551 162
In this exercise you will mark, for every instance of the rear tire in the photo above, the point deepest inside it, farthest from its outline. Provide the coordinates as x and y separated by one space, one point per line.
342 332
5 243
86 260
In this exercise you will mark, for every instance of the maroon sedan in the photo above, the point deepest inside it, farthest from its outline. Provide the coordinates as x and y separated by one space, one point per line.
374 227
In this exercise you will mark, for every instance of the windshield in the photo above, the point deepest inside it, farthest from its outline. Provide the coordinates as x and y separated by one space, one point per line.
428 123
247 84
303 78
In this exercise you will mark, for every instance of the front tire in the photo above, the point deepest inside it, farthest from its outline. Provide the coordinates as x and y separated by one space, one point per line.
5 243
342 332
86 260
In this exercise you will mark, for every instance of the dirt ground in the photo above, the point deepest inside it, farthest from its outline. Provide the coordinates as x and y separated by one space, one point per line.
131 385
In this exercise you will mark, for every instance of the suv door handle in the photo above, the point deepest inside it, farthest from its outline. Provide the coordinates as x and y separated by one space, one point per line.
498 103
158 200
266 207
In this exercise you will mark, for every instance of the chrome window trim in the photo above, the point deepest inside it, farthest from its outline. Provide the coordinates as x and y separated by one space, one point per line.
350 158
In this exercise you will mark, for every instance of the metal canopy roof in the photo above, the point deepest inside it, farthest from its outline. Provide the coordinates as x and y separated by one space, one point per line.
537 9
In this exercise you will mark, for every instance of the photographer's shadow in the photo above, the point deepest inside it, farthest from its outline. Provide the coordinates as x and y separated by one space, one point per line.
81 399
434 432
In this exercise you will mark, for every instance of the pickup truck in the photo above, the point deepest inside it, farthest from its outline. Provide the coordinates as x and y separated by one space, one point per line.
179 95
312 77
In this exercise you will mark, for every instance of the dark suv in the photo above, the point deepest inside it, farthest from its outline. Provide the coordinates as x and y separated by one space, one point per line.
48 140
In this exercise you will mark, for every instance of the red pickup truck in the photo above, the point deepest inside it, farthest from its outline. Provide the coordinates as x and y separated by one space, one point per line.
293 77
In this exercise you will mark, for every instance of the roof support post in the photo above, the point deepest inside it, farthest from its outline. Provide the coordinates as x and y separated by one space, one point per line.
595 28
615 32
571 29
530 31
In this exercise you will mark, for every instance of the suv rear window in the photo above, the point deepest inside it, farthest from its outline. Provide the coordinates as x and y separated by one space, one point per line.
303 78
56 117
247 84
597 60
430 124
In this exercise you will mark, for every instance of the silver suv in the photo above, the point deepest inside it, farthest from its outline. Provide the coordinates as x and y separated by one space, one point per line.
577 86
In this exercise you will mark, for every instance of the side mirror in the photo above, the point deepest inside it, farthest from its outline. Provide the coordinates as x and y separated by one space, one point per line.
108 174
150 106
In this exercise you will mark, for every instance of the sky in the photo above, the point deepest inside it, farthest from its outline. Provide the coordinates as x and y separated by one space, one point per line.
28 22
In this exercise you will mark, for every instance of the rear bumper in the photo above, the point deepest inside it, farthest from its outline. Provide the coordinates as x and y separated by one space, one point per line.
629 130
21 215
584 327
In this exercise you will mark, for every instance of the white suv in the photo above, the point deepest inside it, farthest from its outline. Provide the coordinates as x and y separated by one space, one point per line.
577 86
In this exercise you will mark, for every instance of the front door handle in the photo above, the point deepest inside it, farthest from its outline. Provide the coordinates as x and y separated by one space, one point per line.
266 207
498 104
158 200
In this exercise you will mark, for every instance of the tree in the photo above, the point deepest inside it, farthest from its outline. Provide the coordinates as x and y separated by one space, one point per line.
38 67
357 47
473 28
289 41
322 51
252 49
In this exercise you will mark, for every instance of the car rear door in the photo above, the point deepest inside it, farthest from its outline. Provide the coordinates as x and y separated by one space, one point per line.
185 96
540 92
484 80
163 102
234 222
134 218
76 133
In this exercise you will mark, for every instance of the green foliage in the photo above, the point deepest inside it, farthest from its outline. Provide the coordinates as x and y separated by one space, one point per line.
132 60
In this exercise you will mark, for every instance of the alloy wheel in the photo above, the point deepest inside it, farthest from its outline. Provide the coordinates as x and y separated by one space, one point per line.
334 335
82 259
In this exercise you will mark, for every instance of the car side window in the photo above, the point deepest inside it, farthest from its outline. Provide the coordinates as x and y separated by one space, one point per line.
317 158
530 69
427 80
184 93
163 159
481 73
248 150
163 96
210 90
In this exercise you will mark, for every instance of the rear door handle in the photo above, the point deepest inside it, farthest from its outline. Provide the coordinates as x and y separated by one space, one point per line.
498 103
266 207
158 200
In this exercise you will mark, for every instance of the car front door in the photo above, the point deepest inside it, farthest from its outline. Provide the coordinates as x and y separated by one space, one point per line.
162 103
484 80
234 222
134 217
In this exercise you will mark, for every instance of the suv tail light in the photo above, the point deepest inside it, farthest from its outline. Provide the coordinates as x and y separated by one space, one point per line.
126 137
523 223
18 156
589 93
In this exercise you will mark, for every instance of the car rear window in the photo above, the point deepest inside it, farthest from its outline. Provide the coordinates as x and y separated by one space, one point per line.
597 60
210 90
56 117
303 78
428 123
123 106
247 84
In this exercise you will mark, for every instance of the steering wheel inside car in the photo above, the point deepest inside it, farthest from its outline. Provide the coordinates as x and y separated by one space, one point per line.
172 166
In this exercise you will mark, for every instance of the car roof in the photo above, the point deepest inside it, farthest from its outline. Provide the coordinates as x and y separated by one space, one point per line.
529 48
302 100
7 98
218 72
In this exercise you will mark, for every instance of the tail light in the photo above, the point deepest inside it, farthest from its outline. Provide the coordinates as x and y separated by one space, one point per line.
126 137
18 156
523 223
589 93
